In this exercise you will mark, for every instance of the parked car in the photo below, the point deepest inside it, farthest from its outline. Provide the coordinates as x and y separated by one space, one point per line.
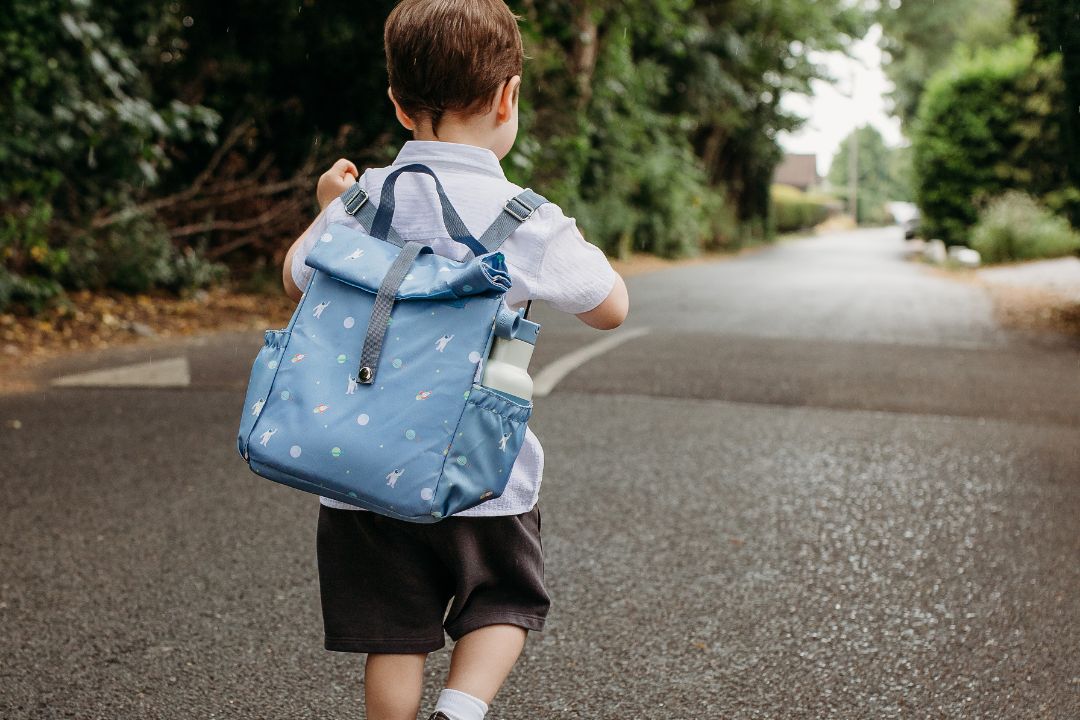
911 227
906 215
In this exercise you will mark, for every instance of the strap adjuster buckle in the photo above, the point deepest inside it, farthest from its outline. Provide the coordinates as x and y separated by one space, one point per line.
519 210
354 199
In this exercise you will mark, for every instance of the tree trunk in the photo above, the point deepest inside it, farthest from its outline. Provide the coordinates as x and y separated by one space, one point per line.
584 51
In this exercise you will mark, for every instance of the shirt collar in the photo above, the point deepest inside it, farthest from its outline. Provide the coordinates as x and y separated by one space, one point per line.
449 155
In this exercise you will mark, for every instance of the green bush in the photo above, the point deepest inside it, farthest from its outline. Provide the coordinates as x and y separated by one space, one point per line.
1015 227
84 134
30 292
794 210
191 270
626 169
137 255
986 124
883 175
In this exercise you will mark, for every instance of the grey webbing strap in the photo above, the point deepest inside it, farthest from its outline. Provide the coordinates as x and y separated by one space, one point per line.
384 216
355 200
516 211
380 314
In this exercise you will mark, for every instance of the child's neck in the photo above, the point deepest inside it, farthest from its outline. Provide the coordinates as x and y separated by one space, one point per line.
462 133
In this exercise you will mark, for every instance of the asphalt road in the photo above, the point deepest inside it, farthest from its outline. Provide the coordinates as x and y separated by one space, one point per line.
824 485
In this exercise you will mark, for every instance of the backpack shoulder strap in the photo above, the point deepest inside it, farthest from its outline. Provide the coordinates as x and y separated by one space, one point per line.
355 200
516 211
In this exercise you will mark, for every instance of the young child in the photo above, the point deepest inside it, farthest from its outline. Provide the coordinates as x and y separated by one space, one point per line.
455 74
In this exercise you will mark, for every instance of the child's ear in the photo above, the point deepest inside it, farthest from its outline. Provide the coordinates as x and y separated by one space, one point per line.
508 99
404 119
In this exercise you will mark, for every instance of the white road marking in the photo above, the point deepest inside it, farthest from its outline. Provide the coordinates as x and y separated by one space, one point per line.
174 372
546 380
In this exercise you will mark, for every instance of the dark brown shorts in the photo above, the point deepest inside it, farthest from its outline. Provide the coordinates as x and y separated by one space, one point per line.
386 583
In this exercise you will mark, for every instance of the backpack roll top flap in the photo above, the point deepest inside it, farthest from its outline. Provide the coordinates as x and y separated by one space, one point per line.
354 257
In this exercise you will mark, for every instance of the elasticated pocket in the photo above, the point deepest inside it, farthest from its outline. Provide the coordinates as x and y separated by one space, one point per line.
263 371
483 450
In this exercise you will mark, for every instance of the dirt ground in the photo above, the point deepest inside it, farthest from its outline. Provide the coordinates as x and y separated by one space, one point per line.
1034 310
1024 309
92 321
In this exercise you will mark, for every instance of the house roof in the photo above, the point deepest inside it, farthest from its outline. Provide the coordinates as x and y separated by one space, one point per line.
798 170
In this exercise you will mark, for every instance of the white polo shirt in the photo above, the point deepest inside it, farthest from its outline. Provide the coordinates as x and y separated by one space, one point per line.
547 257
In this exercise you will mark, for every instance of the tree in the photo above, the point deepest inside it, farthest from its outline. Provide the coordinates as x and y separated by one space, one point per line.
878 179
1057 24
679 108
82 138
987 124
919 38
652 121
743 59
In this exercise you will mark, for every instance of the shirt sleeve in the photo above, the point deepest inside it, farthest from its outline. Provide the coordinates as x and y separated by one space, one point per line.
574 275
302 273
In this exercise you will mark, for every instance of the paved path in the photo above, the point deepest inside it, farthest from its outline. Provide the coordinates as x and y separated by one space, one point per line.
823 485
841 287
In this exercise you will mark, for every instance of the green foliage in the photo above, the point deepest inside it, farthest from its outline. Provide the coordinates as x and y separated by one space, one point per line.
135 255
901 173
739 61
920 37
880 174
652 121
29 291
1057 25
302 71
986 124
1015 227
81 135
641 186
795 210
191 270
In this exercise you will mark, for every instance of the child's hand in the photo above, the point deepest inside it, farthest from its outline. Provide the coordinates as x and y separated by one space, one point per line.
335 181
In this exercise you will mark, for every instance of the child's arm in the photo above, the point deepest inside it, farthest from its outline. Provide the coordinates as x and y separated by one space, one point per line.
332 183
291 288
610 313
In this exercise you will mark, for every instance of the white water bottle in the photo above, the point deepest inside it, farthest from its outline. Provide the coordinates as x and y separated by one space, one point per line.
507 368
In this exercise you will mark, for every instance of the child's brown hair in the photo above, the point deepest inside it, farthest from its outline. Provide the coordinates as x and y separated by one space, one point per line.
450 55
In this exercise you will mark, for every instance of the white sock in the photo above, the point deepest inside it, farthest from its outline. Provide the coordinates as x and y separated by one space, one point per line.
457 705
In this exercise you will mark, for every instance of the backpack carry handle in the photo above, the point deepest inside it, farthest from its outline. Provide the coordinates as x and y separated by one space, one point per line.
384 216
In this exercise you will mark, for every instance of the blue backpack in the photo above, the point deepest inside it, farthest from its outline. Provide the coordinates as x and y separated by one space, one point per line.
370 396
